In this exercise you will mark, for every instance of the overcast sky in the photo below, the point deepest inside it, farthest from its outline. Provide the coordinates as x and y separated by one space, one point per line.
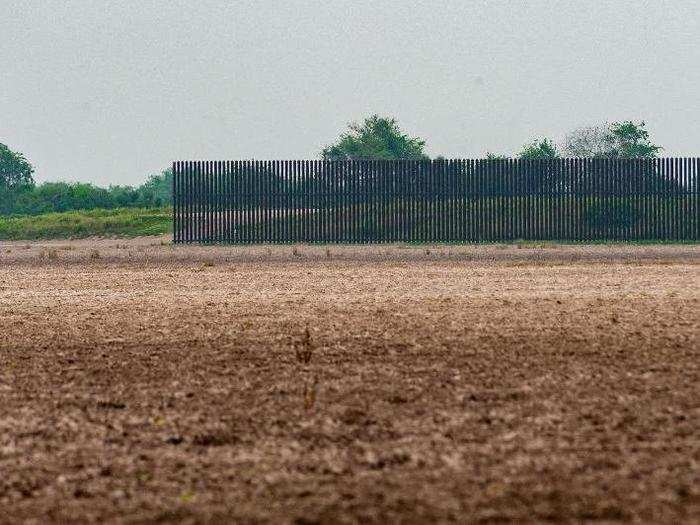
109 91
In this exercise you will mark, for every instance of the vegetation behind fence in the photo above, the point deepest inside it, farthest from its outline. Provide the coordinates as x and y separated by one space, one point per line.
436 201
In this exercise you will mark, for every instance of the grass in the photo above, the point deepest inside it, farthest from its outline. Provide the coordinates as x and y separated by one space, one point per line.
119 222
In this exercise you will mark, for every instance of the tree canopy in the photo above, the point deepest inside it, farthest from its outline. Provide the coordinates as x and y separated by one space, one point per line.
15 171
375 138
619 140
539 149
630 140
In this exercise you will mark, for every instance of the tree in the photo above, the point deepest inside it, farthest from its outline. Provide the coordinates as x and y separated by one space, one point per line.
619 140
376 138
542 149
157 190
590 142
631 141
15 171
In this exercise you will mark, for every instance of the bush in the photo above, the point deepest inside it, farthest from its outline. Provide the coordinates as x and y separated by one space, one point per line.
63 196
122 222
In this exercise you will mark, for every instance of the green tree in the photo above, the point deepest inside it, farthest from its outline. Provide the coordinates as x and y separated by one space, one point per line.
631 141
157 190
619 140
539 149
15 171
376 138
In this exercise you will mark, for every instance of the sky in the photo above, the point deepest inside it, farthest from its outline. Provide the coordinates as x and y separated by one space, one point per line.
111 91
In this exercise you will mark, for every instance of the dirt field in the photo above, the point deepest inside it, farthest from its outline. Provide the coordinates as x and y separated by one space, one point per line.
145 382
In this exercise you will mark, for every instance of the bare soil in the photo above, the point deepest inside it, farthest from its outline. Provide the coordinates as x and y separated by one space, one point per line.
143 382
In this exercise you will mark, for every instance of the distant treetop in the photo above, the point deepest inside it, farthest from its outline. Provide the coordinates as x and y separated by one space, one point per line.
15 171
539 149
376 138
619 140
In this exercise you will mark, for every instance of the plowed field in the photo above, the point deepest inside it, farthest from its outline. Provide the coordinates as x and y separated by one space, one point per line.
144 382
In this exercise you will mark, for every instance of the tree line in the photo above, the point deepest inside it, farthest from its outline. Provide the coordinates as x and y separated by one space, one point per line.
376 137
20 195
382 138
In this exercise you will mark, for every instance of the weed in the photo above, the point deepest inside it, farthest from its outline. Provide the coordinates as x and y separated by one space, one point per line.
207 264
328 253
295 252
187 497
304 349
143 476
95 255
310 393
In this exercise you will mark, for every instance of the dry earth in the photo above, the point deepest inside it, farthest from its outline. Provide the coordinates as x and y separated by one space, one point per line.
145 382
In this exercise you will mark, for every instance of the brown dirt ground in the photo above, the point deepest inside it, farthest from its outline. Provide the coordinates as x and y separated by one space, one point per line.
144 382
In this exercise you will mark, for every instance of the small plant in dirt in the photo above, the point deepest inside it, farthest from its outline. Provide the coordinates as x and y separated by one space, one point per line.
296 252
303 350
310 393
95 255
187 497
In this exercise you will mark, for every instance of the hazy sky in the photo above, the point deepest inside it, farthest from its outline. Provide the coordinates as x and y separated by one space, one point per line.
109 91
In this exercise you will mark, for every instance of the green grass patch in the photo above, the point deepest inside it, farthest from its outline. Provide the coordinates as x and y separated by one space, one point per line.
119 222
